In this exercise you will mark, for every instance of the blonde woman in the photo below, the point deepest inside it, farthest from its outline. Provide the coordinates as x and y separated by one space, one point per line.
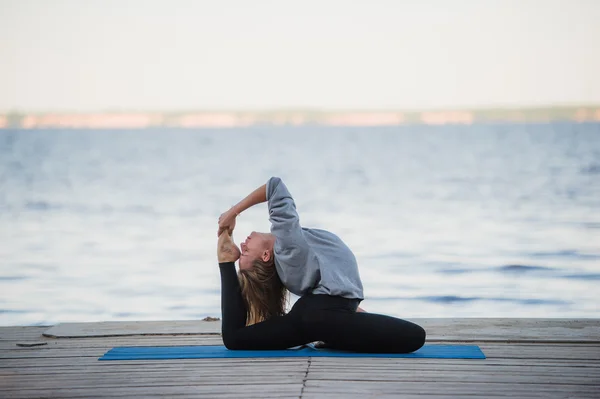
314 264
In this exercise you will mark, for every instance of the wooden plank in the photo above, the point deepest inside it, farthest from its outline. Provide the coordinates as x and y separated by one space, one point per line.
234 391
511 330
167 377
465 329
91 343
93 361
541 368
491 355
548 352
310 394
481 387
258 375
127 328
501 394
97 343
166 340
455 377
452 368
489 329
172 379
144 373
119 341
461 388
27 333
264 376
52 353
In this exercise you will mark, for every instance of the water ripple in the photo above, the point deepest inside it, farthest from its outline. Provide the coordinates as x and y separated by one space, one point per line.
523 268
593 169
14 311
14 278
567 253
582 276
456 299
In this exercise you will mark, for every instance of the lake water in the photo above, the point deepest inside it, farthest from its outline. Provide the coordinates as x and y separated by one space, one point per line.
462 221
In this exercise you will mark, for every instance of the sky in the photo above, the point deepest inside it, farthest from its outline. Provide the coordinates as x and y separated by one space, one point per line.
74 55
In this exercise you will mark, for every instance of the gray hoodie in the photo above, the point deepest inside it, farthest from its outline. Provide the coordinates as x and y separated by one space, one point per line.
309 260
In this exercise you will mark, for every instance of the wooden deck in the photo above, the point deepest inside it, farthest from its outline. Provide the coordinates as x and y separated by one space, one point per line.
525 358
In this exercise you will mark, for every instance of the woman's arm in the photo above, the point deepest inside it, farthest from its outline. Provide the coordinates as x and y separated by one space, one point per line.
256 197
290 243
285 223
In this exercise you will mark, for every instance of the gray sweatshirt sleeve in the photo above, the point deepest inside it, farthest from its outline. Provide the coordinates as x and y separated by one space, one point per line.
290 246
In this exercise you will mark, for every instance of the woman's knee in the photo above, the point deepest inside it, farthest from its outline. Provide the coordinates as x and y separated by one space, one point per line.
230 341
413 337
418 337
235 340
403 337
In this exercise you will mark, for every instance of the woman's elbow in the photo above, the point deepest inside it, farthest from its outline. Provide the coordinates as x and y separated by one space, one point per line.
231 342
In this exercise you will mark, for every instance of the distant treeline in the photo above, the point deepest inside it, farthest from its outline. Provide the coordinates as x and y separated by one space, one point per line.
207 118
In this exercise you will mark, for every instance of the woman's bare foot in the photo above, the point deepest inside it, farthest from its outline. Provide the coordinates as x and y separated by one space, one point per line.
227 251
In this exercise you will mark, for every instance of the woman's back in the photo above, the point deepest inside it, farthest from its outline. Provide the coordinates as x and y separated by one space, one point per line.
309 261
329 267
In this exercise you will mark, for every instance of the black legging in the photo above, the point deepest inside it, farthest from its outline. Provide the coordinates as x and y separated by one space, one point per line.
331 319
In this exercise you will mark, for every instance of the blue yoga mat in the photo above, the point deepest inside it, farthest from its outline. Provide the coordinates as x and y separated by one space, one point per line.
219 351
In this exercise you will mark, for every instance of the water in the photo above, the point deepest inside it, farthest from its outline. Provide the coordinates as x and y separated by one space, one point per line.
485 220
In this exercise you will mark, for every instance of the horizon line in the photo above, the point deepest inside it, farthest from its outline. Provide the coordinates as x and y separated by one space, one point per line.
303 109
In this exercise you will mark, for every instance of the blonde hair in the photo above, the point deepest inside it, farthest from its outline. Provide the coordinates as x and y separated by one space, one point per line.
264 294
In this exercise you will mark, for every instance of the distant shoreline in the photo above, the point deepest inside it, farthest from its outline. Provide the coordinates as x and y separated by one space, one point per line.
212 119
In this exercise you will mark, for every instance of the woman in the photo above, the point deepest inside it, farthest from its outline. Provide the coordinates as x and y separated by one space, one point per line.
314 264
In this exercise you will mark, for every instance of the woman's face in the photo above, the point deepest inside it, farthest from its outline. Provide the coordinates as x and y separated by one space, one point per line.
255 247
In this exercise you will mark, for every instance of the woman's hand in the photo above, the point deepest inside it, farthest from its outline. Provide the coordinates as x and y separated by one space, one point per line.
227 251
227 219
227 222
